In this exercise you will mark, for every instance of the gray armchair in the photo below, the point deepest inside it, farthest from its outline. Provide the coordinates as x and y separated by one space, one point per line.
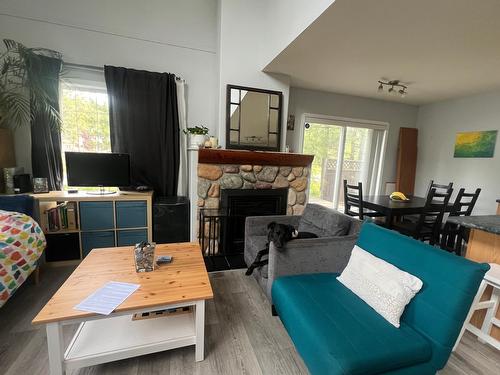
330 252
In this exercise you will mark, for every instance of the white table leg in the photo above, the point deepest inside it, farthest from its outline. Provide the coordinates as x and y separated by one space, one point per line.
55 346
200 330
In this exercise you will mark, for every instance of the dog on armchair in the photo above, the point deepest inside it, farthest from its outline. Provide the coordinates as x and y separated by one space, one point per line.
279 235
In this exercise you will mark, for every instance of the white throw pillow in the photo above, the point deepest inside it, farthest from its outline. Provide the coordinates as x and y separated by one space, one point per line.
381 285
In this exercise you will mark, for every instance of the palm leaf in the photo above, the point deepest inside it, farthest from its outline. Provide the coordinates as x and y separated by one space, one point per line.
23 85
15 108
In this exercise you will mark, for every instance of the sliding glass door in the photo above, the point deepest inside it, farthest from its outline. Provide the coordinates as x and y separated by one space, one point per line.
343 150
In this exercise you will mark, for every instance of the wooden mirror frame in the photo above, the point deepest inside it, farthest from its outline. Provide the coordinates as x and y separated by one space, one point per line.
228 119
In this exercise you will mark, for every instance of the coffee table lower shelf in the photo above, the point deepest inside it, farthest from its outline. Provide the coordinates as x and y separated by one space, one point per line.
113 339
101 339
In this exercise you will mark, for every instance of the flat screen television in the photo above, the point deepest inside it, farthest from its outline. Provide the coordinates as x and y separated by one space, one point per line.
97 169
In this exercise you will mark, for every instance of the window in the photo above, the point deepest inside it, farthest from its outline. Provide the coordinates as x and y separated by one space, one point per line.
85 120
344 150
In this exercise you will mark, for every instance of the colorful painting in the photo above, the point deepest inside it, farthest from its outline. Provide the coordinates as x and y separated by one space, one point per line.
475 144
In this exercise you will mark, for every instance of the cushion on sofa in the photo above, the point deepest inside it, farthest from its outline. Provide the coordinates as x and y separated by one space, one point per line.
323 221
337 333
381 285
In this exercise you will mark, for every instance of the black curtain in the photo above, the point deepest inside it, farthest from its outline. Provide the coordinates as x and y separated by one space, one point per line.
145 124
46 156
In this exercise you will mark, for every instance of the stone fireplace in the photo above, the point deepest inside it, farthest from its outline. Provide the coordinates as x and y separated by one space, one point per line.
233 170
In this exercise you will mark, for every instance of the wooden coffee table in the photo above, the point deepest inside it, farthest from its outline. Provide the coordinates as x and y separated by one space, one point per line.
100 338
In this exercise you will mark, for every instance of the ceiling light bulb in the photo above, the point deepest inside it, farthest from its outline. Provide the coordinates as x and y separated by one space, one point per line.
380 87
391 89
402 92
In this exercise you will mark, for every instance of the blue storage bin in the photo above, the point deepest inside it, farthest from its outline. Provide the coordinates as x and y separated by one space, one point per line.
95 240
131 214
96 215
131 237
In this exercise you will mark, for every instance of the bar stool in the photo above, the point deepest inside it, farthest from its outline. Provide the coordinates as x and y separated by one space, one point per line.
492 278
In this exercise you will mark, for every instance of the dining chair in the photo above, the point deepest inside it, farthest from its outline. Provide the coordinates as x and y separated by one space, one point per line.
428 225
440 188
353 198
452 235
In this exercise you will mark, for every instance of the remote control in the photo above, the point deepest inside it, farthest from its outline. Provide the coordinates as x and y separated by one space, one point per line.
164 259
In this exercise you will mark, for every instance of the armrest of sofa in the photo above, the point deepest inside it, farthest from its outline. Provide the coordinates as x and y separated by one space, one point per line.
311 255
257 225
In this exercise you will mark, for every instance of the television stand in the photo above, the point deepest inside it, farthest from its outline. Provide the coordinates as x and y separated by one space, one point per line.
101 191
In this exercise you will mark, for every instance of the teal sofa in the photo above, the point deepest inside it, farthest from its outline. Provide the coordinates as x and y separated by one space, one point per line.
336 332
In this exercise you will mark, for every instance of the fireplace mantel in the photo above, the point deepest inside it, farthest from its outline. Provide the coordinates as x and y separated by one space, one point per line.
219 156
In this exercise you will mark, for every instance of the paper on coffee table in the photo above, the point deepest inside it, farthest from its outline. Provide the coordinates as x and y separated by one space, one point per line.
104 300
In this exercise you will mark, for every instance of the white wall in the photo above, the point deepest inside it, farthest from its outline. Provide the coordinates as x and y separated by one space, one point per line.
158 35
252 33
438 124
285 20
242 52
324 103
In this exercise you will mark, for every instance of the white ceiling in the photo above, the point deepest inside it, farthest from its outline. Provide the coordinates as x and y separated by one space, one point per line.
441 48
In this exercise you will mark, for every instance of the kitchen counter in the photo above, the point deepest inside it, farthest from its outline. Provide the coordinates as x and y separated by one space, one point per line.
487 223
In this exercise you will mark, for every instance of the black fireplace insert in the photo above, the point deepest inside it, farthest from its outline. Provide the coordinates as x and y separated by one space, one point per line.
229 222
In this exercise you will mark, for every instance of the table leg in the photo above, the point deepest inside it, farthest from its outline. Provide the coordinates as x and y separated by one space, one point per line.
55 347
200 330
389 220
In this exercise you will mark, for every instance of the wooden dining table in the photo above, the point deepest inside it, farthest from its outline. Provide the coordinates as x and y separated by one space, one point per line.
391 209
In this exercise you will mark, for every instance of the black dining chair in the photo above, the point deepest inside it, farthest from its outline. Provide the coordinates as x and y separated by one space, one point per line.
452 235
428 225
353 198
440 188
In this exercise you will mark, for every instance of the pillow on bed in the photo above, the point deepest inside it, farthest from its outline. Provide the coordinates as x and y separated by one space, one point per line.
17 203
383 286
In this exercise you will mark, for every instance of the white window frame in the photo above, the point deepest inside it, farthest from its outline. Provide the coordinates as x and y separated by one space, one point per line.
345 122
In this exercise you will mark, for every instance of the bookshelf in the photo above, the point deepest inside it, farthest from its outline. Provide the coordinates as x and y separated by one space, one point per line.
74 224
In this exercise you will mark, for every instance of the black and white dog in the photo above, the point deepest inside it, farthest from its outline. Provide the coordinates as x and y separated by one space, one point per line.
279 235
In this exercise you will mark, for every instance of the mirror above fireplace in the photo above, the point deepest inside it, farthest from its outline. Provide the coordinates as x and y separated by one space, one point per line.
253 118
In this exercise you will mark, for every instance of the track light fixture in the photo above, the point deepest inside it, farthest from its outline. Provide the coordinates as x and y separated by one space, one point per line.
394 85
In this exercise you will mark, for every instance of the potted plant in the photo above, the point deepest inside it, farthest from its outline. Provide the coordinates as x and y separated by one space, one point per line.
22 91
197 136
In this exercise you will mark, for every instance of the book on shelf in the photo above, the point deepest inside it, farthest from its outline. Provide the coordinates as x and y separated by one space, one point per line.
71 215
57 217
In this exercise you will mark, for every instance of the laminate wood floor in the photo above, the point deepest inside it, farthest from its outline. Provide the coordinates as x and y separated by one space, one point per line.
241 337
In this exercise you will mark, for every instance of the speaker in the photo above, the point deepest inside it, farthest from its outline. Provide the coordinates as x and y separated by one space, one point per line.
171 220
22 183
